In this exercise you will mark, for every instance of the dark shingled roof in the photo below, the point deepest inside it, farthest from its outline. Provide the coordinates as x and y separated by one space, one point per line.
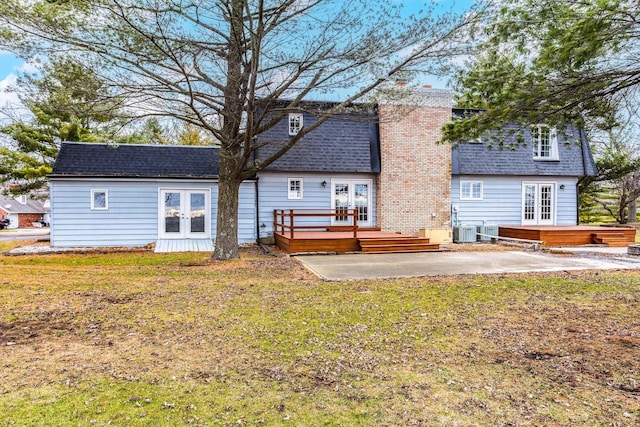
575 158
143 161
344 143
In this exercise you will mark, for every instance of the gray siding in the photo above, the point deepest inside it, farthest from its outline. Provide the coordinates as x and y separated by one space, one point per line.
274 195
132 217
502 200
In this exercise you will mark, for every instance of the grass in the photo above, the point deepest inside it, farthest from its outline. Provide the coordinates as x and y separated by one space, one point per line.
146 339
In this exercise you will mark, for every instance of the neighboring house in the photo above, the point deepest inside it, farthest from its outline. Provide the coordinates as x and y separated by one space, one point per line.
383 161
24 212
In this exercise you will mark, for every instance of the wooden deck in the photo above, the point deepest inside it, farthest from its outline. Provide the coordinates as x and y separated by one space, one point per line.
295 234
373 241
294 237
369 241
576 235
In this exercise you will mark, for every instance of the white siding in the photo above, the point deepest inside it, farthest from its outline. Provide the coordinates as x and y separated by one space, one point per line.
132 217
274 195
502 200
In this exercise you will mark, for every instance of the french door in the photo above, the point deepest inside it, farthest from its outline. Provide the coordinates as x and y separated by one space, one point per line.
184 214
538 203
351 194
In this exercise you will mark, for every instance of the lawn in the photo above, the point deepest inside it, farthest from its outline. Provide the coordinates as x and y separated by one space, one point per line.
142 339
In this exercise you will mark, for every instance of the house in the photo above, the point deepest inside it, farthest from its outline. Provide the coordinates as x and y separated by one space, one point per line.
133 195
535 183
383 162
23 211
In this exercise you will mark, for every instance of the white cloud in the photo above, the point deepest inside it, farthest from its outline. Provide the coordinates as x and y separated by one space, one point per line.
29 67
11 107
5 95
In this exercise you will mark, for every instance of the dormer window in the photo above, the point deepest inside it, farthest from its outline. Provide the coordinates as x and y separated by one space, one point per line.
22 199
545 143
295 123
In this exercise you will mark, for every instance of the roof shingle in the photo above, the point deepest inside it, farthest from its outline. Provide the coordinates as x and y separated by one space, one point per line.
574 158
143 161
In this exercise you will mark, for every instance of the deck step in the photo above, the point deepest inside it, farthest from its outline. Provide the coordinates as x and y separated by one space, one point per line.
611 239
392 240
398 244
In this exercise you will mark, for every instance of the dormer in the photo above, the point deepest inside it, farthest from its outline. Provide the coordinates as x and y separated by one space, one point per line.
544 140
295 123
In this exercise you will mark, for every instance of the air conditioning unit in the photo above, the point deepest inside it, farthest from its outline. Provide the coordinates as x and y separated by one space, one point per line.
464 234
487 230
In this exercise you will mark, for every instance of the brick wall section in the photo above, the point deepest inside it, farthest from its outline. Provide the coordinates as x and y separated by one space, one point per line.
27 220
414 187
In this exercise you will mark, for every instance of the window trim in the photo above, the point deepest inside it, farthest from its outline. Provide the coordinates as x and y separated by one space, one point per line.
536 132
93 199
291 195
471 183
295 127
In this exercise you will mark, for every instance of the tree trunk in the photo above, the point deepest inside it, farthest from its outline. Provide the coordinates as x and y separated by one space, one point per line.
633 211
226 243
226 246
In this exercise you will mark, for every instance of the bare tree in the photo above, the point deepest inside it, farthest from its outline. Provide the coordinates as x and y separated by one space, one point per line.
616 187
221 65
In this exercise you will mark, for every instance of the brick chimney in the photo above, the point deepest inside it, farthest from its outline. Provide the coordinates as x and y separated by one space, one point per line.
414 186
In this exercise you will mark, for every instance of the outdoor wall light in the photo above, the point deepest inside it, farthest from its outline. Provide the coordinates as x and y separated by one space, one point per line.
562 186
324 184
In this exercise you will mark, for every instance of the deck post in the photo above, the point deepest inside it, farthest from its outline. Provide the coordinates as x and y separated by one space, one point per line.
355 223
275 221
291 221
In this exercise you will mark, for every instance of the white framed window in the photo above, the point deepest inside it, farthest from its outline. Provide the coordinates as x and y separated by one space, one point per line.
295 188
295 123
470 190
477 139
545 143
99 200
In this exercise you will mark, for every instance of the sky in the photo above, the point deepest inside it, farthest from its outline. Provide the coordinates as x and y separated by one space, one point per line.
11 66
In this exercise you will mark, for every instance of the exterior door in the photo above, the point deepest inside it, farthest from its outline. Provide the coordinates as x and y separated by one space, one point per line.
184 214
351 194
538 203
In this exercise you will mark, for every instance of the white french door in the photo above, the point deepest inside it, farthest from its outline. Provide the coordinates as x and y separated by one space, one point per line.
184 214
538 203
351 194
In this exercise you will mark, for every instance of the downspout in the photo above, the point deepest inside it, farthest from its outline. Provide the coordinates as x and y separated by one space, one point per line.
258 242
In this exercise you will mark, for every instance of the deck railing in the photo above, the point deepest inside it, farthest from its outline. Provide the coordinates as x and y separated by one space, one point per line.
284 220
